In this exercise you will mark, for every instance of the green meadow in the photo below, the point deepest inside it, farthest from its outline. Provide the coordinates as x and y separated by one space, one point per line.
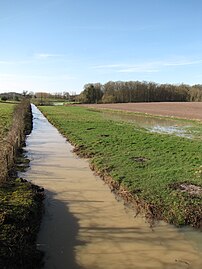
6 112
159 170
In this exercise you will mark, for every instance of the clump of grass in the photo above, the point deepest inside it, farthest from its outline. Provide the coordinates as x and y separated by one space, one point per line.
20 213
198 172
147 165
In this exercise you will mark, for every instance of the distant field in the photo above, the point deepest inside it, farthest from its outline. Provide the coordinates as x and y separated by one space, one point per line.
6 111
159 170
188 110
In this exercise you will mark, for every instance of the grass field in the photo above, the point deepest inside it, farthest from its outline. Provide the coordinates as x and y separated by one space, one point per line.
162 171
6 111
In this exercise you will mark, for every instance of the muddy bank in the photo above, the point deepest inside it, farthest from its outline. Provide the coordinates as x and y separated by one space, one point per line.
85 227
187 110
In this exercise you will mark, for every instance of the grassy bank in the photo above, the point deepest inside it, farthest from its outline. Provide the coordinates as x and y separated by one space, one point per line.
161 173
20 201
20 212
16 122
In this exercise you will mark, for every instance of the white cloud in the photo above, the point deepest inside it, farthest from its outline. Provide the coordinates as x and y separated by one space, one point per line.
183 62
129 68
107 66
146 67
137 70
47 55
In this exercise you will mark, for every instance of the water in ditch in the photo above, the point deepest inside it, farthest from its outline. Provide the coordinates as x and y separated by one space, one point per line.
84 227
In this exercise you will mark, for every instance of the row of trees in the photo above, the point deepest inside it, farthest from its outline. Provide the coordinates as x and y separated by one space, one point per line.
135 91
11 96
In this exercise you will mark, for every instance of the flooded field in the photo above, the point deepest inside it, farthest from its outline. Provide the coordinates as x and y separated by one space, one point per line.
84 226
157 124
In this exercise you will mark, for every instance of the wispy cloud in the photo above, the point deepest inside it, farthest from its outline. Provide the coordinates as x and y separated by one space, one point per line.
183 62
107 66
145 67
129 68
150 67
47 55
138 70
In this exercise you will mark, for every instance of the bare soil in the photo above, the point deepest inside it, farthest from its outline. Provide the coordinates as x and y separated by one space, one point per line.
187 110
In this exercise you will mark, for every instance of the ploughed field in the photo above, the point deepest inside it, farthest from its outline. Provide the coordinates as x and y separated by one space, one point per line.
161 171
188 110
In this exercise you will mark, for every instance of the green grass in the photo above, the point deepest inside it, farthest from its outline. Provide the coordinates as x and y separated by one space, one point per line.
20 211
6 112
116 148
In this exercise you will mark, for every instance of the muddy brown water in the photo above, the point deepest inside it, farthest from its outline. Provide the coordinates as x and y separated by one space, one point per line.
84 227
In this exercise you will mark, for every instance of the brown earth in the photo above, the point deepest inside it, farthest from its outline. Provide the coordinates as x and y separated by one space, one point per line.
187 110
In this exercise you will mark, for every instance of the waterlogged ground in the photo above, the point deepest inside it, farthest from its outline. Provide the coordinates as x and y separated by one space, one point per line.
157 124
84 227
175 118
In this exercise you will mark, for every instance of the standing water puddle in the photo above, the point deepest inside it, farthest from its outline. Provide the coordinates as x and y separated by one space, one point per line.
84 227
153 123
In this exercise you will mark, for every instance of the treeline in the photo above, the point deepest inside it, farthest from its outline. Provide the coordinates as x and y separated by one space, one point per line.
136 91
21 126
11 96
44 98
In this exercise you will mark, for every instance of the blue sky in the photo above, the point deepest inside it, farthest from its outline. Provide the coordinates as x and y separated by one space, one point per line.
60 45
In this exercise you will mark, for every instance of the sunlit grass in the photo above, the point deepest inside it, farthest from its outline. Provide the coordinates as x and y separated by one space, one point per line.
6 112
